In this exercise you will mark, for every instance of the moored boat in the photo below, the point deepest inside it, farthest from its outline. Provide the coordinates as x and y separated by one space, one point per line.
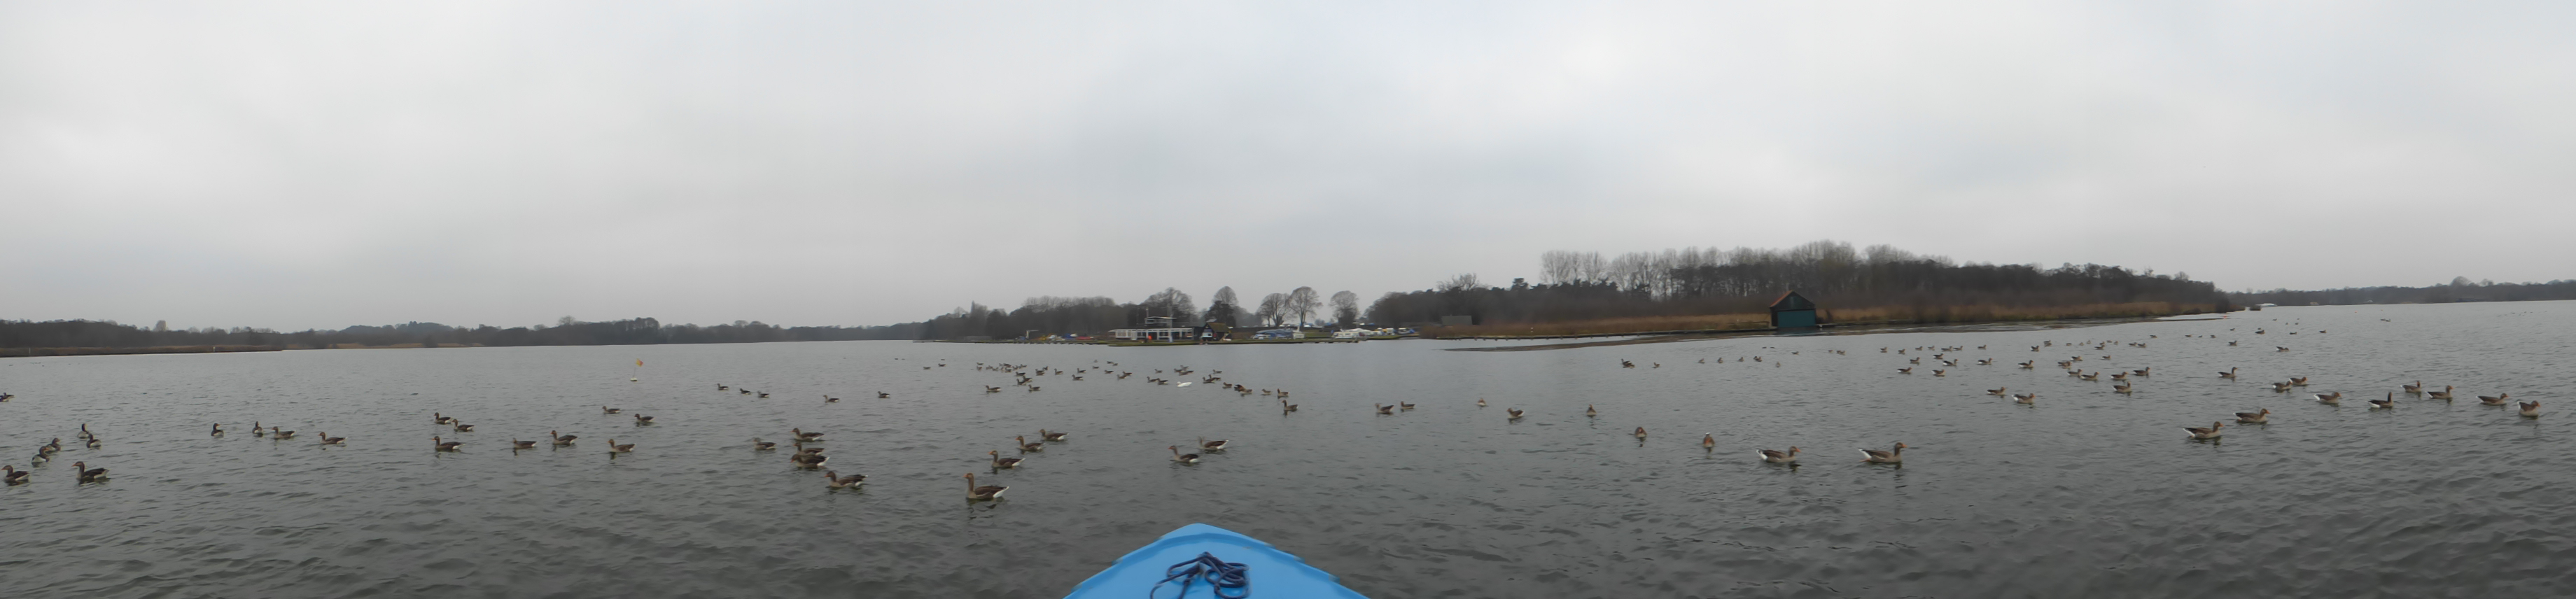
1267 571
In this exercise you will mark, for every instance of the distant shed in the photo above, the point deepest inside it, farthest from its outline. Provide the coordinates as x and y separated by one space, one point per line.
1793 311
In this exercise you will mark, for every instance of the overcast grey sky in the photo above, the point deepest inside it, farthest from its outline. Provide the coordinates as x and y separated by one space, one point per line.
322 164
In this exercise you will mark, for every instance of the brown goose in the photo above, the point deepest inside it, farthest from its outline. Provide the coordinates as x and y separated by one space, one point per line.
2332 399
437 418
1050 436
613 447
2498 400
12 476
1403 406
256 430
464 428
1514 412
759 445
2444 394
2415 387
1206 445
2299 380
641 420
1480 402
2231 373
2281 387
219 429
1383 410
444 445
1000 462
1708 442
1998 391
1284 406
562 440
1026 446
88 474
2204 434
2530 409
605 410
327 439
1591 412
833 479
1779 457
1641 433
983 493
827 398
275 433
1185 458
2123 388
2025 398
801 435
2383 404
518 444
1905 370
1892 456
885 395
2254 417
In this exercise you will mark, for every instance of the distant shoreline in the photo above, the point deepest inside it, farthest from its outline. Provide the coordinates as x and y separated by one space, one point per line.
42 352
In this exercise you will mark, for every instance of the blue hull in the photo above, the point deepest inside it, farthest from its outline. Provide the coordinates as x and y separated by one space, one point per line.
1274 574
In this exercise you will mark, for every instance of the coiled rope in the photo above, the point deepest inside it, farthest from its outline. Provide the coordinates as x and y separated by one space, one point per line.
1227 579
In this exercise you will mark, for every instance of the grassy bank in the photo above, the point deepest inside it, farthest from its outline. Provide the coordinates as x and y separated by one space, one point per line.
1965 313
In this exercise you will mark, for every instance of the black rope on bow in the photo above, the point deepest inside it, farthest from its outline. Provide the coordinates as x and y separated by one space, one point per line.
1227 578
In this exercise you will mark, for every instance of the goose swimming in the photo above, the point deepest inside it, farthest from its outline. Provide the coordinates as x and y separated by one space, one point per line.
1892 456
1779 457
982 493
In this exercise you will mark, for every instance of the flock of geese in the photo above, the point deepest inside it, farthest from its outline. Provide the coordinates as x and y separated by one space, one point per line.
808 453
2124 382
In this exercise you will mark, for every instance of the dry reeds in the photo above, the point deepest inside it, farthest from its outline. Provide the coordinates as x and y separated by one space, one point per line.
1913 314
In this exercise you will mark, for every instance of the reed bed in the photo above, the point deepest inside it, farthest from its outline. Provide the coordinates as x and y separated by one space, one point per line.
1913 314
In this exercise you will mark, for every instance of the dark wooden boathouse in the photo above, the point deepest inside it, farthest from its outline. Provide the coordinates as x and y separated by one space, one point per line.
1793 311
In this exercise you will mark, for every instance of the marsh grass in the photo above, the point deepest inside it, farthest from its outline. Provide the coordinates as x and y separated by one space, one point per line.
1906 314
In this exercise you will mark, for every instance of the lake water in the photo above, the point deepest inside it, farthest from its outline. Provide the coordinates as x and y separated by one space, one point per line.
2086 493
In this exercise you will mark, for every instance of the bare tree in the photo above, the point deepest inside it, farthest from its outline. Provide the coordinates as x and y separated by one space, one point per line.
1224 307
1460 283
1174 303
1302 302
1271 305
1346 308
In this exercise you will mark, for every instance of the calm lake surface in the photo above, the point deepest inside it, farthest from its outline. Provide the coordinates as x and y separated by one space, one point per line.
2086 493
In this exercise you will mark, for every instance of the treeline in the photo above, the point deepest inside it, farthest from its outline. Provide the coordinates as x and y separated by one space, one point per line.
1048 315
2460 289
567 331
1577 286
